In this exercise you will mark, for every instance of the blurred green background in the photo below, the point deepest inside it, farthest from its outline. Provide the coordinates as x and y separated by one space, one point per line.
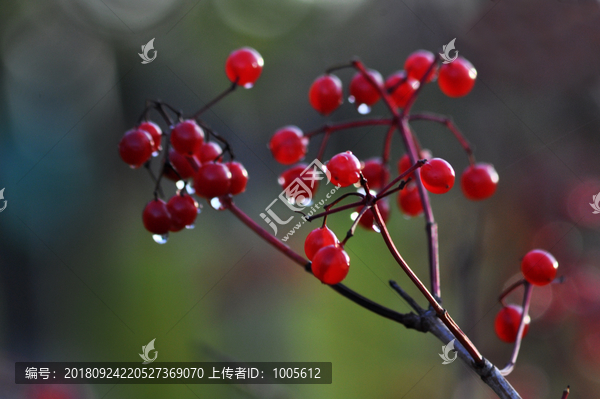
81 280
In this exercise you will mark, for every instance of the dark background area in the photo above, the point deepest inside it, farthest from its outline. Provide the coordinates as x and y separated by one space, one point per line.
81 280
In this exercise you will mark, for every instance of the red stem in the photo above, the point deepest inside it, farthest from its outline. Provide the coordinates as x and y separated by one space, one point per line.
441 312
451 126
566 392
510 289
339 288
262 233
402 122
388 145
349 125
526 302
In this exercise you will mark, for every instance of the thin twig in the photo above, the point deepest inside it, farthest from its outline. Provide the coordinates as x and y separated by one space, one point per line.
449 123
413 304
526 302
218 98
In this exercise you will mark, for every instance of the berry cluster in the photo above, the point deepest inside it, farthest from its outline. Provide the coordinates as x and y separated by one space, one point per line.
539 268
189 154
289 144
193 156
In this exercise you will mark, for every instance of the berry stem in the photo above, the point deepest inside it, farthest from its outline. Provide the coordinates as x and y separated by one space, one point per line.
526 302
366 303
330 128
154 179
510 289
338 67
328 210
323 146
401 120
441 312
566 392
410 170
215 100
449 123
387 146
352 229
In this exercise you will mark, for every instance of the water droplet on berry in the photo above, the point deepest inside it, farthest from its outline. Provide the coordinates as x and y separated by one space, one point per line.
351 99
190 226
353 216
156 153
133 166
216 204
376 228
361 190
363 109
199 208
190 189
160 238
180 184
248 86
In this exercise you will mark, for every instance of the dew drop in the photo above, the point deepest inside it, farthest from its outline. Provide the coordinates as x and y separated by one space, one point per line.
376 229
353 216
351 99
361 190
190 226
180 184
190 189
133 166
160 238
363 109
216 204
248 85
156 153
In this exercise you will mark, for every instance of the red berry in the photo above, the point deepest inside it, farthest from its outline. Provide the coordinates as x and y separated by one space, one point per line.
437 176
156 217
317 239
212 180
294 191
244 66
507 323
409 200
539 267
325 94
367 220
403 91
479 181
344 169
209 152
154 130
187 137
288 145
404 163
330 264
135 147
239 178
457 78
184 166
418 63
183 210
376 173
363 91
